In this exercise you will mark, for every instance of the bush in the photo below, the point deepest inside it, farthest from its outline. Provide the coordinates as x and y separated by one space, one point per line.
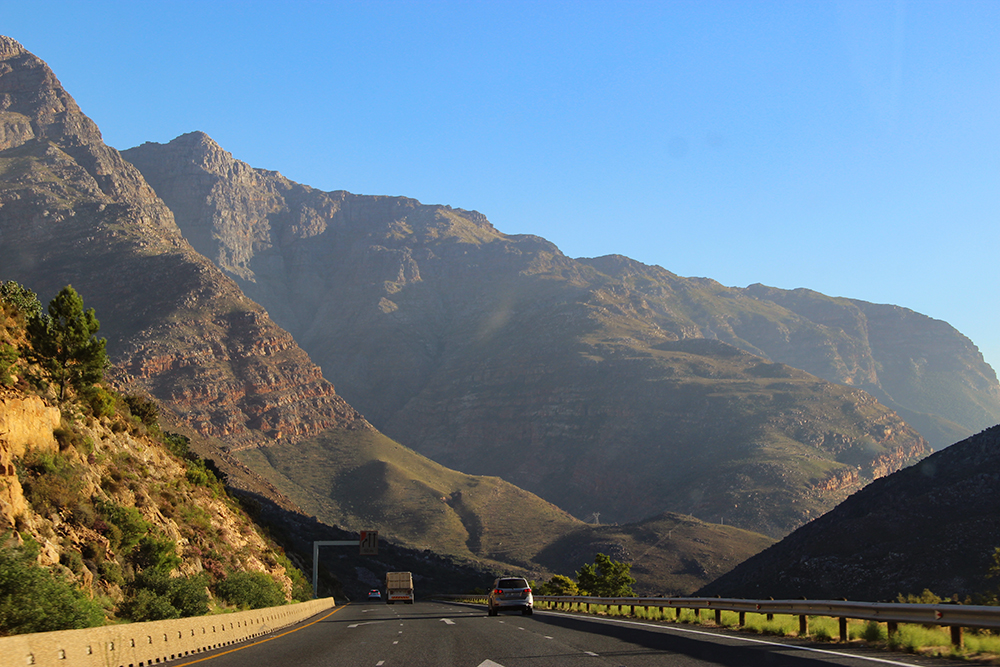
154 553
147 411
155 596
250 590
129 525
100 400
8 355
35 599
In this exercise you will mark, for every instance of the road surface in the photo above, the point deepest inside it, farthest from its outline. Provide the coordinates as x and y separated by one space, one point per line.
432 634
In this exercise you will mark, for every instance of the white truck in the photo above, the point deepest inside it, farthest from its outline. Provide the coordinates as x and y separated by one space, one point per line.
398 587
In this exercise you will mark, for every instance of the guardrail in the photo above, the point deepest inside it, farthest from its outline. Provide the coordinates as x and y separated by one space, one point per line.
153 642
954 616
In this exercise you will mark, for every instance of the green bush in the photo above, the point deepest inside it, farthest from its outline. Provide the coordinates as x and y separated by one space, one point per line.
8 355
130 525
155 553
100 400
147 411
155 596
35 599
250 590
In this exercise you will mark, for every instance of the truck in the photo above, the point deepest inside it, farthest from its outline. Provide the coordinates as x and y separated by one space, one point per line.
398 587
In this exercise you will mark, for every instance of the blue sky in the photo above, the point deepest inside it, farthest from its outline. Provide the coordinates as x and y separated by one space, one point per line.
848 147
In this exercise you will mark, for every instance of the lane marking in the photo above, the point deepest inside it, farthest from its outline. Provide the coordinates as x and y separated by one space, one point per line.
547 637
489 663
721 635
448 621
323 618
354 625
395 642
591 653
380 663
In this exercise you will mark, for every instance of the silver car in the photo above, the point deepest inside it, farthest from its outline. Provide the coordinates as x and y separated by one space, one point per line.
510 593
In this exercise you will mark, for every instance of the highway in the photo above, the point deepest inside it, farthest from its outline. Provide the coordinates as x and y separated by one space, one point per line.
432 634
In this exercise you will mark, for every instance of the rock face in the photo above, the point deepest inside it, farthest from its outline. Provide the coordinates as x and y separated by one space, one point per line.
931 526
603 385
72 211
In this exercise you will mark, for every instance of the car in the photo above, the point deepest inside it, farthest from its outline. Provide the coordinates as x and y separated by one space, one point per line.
374 594
510 593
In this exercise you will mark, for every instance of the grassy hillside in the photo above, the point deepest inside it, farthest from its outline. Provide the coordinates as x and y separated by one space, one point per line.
363 480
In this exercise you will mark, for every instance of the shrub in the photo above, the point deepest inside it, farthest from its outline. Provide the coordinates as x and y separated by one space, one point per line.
35 599
100 400
8 355
146 410
250 590
154 553
130 525
155 596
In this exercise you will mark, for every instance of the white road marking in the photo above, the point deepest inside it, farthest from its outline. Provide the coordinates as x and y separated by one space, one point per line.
448 621
396 642
354 625
591 653
489 663
380 663
672 628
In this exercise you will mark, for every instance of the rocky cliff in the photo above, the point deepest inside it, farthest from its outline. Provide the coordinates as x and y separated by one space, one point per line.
72 211
603 385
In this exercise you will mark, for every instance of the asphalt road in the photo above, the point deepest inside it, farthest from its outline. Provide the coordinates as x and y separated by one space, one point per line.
431 634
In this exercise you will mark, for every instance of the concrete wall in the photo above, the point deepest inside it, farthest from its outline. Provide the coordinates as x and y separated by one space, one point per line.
143 644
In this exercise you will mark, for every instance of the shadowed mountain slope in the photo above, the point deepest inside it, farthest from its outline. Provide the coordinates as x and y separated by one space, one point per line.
603 384
933 525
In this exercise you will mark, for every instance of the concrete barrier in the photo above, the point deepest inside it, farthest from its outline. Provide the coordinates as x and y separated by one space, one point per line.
154 642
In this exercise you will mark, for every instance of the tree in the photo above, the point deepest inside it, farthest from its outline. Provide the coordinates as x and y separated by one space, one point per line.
606 578
65 342
559 584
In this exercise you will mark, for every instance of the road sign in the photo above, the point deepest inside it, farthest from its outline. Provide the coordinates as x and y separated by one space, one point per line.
369 543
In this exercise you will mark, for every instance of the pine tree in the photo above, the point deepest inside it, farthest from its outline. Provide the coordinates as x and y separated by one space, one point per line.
64 342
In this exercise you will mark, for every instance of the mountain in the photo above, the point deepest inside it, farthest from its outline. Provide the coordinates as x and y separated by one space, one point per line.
72 211
603 385
930 526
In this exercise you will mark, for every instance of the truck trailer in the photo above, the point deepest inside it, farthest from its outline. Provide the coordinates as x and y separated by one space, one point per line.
398 587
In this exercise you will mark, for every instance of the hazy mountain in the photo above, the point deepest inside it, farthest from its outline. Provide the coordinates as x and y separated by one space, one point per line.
603 385
73 211
933 525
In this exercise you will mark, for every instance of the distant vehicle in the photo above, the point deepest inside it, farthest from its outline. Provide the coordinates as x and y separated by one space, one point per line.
510 593
398 587
374 594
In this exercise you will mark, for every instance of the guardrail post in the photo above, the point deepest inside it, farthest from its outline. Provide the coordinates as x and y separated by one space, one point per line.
677 613
697 613
956 636
843 629
743 618
632 613
718 617
803 625
891 628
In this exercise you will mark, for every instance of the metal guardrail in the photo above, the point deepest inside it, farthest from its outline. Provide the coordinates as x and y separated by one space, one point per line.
954 616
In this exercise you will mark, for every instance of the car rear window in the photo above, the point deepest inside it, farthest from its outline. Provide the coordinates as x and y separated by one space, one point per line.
513 583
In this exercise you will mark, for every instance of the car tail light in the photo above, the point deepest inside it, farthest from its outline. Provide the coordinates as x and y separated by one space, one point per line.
498 592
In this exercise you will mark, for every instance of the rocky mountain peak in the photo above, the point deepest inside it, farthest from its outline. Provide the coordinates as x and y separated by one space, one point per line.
10 47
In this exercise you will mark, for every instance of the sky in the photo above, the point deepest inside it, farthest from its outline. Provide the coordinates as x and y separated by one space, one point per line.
851 148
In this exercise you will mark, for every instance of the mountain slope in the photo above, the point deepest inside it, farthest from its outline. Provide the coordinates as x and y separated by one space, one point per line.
72 211
930 526
603 385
